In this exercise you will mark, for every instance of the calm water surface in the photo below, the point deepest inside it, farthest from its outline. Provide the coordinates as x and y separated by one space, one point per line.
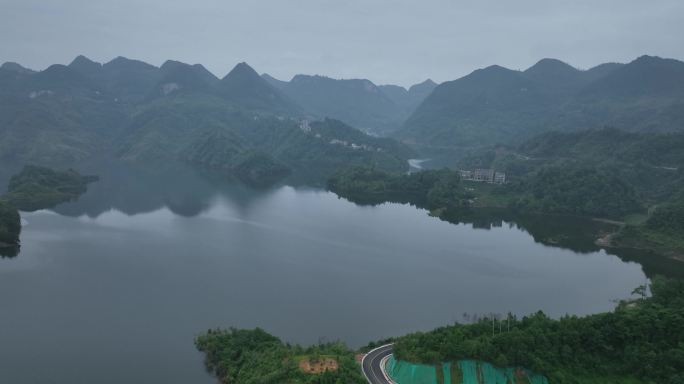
113 288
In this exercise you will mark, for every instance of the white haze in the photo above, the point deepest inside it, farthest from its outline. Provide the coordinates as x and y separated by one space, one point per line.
386 41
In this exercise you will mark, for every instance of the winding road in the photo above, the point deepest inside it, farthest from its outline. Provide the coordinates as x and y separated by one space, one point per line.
371 365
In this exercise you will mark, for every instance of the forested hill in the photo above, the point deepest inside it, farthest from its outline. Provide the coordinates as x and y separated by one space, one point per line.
639 342
258 148
606 171
496 105
137 112
652 163
658 150
571 190
10 228
357 102
254 356
32 189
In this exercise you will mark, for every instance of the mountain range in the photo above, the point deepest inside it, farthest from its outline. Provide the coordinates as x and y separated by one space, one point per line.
138 112
357 102
496 105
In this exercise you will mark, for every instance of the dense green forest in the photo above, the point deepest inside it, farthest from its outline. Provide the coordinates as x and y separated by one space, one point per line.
357 102
239 125
496 105
640 341
254 356
632 177
31 189
577 191
650 163
561 190
647 167
209 132
140 112
37 188
10 226
662 231
436 190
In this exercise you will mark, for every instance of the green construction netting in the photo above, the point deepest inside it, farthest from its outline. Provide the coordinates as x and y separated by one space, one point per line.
446 372
463 372
402 372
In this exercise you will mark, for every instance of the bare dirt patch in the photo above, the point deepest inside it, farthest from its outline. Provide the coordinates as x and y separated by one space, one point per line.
319 365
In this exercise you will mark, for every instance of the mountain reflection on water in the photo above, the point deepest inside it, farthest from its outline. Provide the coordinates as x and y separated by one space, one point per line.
187 192
150 257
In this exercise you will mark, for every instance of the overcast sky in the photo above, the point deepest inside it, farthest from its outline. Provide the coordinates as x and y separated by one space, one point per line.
386 41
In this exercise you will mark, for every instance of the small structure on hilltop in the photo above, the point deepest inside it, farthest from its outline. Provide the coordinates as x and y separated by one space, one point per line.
304 125
483 175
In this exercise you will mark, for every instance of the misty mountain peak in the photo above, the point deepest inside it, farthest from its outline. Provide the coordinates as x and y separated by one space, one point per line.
657 65
426 86
242 71
493 75
15 67
493 70
85 65
245 87
171 65
551 67
309 78
647 59
58 76
123 63
82 60
177 75
553 71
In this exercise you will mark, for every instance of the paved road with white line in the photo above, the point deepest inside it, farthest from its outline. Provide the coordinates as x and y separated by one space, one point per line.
372 367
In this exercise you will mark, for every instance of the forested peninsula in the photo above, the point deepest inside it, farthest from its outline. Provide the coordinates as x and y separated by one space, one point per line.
254 356
32 189
633 180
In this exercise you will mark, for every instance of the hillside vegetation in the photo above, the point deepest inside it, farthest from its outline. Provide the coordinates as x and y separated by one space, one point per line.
357 102
10 228
644 171
640 342
496 105
558 190
253 356
37 188
178 112
32 189
434 190
662 231
575 191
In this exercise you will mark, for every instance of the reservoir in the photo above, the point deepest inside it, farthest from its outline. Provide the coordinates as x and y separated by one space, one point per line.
114 287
